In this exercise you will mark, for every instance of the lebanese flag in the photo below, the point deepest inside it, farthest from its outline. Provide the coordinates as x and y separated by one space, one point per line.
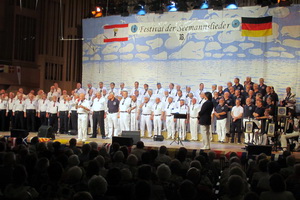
116 33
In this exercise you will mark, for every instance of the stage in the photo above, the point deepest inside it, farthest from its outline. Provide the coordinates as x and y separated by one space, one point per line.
193 147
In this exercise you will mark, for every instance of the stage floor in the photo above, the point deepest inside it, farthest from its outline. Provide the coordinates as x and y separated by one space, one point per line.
220 148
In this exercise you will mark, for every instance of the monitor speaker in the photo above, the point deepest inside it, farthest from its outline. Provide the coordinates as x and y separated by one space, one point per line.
123 141
158 138
46 132
258 149
135 135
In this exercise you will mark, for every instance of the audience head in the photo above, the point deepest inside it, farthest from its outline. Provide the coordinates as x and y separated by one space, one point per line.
277 183
187 190
235 186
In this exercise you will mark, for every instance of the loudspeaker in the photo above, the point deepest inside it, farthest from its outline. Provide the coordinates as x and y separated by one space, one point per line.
46 132
258 149
158 138
19 133
123 141
135 135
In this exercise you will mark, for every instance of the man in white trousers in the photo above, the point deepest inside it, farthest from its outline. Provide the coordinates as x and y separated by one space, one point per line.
145 110
221 114
134 123
170 124
124 111
157 115
181 123
112 115
83 109
194 111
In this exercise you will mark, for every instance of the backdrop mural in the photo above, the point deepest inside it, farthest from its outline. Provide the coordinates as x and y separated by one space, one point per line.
199 46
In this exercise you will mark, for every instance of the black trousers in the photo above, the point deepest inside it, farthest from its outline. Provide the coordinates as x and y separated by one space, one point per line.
2 120
30 119
98 118
236 127
63 118
53 121
43 119
19 120
74 118
10 121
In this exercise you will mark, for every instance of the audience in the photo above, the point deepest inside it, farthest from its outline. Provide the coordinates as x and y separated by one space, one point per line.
54 171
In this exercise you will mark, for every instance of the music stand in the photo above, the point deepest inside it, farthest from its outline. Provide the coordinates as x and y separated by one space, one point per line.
177 139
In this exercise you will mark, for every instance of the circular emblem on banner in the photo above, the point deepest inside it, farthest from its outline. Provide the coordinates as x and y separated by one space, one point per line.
134 28
236 23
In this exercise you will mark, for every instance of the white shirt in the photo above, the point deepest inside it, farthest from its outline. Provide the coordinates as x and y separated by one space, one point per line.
134 89
73 104
63 106
43 105
115 91
10 104
89 97
51 94
183 109
201 102
177 100
146 109
58 91
158 109
169 108
101 89
125 104
135 104
52 107
236 111
194 110
121 90
80 91
30 104
86 104
92 88
3 104
99 104
19 105
159 92
172 92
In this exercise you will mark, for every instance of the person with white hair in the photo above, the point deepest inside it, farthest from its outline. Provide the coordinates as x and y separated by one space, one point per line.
83 108
194 110
122 89
181 123
145 110
157 115
79 89
124 111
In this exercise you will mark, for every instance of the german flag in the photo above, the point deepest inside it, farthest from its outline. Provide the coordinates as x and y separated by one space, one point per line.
257 27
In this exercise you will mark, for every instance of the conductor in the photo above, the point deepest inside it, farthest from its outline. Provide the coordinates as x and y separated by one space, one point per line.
204 118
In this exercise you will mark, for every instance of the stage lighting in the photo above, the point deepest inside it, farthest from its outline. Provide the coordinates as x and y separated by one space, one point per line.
284 3
231 4
97 12
204 5
172 6
140 8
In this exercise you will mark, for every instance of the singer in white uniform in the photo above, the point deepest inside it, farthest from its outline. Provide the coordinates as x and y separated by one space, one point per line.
194 110
170 124
145 109
124 110
83 109
134 113
157 115
181 123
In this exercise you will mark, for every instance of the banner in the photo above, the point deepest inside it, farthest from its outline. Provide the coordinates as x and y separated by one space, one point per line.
188 26
116 33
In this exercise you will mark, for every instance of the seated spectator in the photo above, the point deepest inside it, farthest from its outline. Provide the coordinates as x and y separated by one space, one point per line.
293 182
289 170
18 188
82 195
139 150
263 184
97 187
278 189
162 156
235 188
72 145
101 164
263 172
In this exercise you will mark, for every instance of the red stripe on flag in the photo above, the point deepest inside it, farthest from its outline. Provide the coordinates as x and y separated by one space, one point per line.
116 26
116 39
256 26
